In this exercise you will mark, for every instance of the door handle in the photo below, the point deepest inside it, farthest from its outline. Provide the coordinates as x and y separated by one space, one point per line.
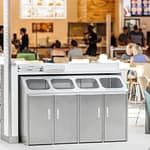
107 112
99 112
49 114
57 114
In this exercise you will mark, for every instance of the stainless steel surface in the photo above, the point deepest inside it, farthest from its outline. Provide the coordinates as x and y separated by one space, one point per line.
90 121
72 109
116 117
40 127
66 119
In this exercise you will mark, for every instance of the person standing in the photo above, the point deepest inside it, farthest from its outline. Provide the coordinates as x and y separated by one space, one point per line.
92 40
1 38
24 44
15 41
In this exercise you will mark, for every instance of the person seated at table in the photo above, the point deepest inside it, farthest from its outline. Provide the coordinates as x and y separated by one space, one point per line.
129 51
135 36
138 56
75 51
56 44
123 37
113 40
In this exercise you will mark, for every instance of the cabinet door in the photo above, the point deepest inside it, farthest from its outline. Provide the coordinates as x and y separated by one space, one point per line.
65 119
115 117
41 119
91 118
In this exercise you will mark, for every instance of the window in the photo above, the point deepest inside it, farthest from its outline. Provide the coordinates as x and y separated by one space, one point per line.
43 9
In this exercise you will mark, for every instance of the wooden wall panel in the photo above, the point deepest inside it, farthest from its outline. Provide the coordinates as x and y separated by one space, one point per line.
95 10
98 9
82 10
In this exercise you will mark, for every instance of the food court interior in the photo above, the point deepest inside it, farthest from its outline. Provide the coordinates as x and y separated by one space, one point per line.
103 80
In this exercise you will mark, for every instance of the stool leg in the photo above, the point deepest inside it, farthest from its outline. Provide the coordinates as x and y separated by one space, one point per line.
135 94
138 93
130 95
138 114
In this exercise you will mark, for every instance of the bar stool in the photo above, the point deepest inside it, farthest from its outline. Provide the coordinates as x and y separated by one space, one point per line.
143 81
135 93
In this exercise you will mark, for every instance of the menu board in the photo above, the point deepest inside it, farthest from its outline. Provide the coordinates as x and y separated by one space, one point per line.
136 7
146 7
140 7
43 9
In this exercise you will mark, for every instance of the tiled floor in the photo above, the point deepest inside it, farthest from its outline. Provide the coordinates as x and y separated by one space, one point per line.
136 139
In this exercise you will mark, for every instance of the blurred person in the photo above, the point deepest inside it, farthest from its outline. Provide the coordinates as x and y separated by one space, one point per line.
1 37
15 41
135 36
123 37
129 52
91 41
24 44
138 56
113 40
143 38
75 51
56 44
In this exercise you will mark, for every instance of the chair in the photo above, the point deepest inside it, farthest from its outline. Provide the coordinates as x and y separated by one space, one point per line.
135 85
93 58
27 56
147 99
43 53
143 82
80 59
147 107
58 53
60 59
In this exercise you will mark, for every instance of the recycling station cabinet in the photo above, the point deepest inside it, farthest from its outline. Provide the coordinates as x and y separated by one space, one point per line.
72 109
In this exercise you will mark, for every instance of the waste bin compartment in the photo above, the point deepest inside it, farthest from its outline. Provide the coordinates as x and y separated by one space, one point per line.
37 84
65 108
109 82
36 111
87 83
62 83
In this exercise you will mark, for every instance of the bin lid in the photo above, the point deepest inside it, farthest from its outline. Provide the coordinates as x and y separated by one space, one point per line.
87 83
62 83
111 82
37 84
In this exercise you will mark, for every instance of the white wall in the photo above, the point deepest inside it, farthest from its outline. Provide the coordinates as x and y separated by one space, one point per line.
60 26
145 24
